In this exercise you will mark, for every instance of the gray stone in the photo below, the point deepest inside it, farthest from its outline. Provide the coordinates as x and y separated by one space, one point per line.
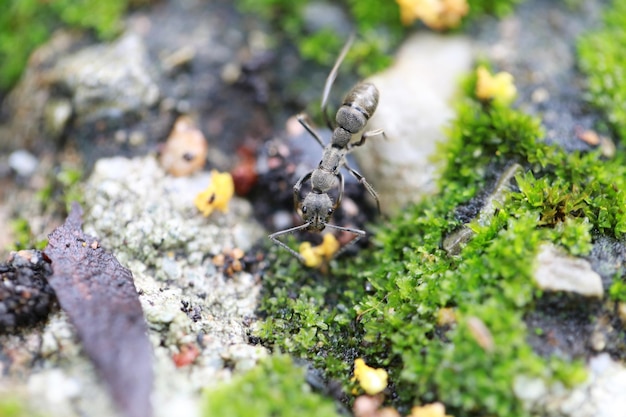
414 107
109 80
557 271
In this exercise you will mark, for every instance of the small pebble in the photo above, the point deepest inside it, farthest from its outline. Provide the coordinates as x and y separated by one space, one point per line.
185 150
23 163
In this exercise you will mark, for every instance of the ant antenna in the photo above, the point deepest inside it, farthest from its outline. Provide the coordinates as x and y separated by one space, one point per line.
331 79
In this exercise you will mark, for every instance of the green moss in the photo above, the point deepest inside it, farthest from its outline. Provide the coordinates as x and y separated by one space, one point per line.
479 8
311 315
617 291
23 237
25 24
62 189
377 23
71 187
602 59
384 303
276 387
12 407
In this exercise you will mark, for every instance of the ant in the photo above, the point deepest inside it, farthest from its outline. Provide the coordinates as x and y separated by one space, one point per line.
316 209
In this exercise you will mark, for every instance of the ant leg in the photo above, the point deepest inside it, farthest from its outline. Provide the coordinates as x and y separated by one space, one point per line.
302 119
296 189
331 79
341 187
366 184
274 237
366 135
358 232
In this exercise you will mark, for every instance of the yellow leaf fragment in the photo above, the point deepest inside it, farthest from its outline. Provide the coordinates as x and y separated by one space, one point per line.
436 14
372 380
498 87
217 195
314 256
429 410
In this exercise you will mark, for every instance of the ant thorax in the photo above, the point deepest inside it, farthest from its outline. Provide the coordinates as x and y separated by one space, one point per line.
332 159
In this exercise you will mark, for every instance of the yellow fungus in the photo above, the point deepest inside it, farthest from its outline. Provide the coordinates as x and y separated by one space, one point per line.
372 380
314 256
498 87
429 410
436 14
217 195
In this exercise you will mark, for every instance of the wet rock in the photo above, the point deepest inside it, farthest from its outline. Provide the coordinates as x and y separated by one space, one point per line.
541 56
413 109
556 271
109 80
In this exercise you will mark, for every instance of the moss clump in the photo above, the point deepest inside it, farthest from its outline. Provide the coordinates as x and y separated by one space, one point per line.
384 305
312 315
23 237
25 24
602 58
500 8
276 387
617 292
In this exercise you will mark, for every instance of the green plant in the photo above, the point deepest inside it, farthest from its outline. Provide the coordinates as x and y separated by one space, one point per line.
275 388
25 24
601 58
377 23
395 325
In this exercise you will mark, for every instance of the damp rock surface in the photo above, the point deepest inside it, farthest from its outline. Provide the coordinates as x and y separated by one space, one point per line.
196 310
413 110
197 305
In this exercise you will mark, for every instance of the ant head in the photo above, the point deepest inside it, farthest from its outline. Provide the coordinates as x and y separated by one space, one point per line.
316 210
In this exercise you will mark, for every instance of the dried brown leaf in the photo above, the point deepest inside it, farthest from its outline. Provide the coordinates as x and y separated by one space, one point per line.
99 296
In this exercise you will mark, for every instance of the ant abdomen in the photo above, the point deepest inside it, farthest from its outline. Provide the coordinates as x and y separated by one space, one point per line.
364 97
358 106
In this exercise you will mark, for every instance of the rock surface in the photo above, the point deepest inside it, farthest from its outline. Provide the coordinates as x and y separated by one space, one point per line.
198 311
413 110
556 271
109 80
